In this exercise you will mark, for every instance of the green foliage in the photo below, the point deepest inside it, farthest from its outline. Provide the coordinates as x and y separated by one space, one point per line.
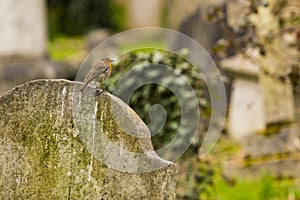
215 185
77 17
204 179
212 184
62 48
274 128
263 188
144 97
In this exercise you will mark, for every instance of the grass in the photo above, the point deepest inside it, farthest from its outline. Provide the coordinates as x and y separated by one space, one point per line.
263 188
258 187
143 45
64 48
68 48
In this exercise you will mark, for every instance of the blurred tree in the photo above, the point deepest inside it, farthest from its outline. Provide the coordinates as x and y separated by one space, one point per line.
77 17
259 26
266 32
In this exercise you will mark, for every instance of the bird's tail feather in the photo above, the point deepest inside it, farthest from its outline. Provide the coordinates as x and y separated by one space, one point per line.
84 86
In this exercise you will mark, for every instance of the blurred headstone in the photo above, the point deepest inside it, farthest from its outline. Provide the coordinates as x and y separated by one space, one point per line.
143 13
23 41
278 99
249 118
190 19
23 28
274 150
276 96
246 110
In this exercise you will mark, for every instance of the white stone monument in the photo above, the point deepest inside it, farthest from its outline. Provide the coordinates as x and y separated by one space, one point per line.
144 13
23 28
23 39
246 109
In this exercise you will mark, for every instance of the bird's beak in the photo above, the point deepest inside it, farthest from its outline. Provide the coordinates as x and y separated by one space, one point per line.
112 60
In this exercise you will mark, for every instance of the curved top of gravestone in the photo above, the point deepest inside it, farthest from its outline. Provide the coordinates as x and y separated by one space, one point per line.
54 138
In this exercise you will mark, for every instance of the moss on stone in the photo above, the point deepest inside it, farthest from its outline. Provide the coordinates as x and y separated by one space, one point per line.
47 151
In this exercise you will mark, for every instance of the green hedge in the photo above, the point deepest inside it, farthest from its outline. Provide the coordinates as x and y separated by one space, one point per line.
146 96
77 17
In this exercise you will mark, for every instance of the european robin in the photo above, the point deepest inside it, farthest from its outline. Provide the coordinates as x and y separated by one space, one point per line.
99 72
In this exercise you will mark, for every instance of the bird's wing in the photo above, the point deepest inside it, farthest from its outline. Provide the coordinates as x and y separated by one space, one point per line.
95 71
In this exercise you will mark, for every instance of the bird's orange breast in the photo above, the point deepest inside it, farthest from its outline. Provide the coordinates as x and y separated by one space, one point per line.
110 66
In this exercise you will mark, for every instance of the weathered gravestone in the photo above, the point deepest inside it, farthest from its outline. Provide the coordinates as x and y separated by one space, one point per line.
246 114
58 143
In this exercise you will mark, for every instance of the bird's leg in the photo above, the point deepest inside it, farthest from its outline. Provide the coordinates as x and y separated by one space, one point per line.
98 84
99 91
